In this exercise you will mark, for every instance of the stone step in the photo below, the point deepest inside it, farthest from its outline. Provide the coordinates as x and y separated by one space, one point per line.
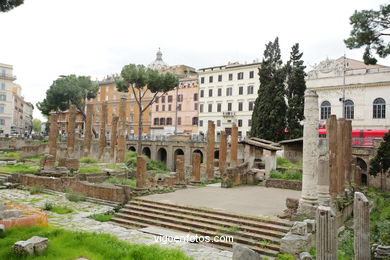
280 226
198 224
206 219
262 248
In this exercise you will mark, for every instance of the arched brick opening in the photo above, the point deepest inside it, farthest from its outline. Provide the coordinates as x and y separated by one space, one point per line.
201 154
363 166
146 151
162 155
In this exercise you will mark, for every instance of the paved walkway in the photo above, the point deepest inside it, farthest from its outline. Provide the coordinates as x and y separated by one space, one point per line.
78 221
245 200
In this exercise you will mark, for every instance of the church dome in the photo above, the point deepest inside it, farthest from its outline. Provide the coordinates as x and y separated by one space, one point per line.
158 64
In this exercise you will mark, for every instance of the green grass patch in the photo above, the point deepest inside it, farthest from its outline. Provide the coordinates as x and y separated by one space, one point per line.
285 257
88 160
11 155
379 216
102 217
37 157
115 180
289 174
74 196
156 167
50 206
35 190
65 245
90 170
18 168
286 163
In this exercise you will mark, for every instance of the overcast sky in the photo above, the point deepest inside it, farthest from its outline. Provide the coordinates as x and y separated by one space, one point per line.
43 39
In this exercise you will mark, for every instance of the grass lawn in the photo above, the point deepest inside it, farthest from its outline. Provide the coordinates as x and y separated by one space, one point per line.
65 245
114 180
90 170
18 168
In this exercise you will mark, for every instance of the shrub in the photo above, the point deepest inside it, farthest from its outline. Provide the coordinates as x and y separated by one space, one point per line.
289 174
286 163
74 196
102 217
88 160
35 190
48 205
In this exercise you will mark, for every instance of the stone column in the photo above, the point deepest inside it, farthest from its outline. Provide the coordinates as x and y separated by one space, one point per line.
71 130
341 155
88 130
196 167
323 174
348 152
361 222
121 147
331 135
53 134
180 169
210 150
234 146
102 135
114 138
308 199
326 234
141 172
222 152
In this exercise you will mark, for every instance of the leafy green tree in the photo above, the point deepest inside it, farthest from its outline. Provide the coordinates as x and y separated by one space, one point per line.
141 80
268 117
369 28
37 125
295 91
6 5
381 162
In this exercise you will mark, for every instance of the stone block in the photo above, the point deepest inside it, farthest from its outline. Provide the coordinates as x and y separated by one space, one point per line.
292 203
311 225
40 244
305 256
24 248
11 162
294 244
299 228
13 213
62 162
241 252
3 163
72 164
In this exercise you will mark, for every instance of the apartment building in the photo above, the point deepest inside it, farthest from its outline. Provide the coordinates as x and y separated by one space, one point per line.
227 95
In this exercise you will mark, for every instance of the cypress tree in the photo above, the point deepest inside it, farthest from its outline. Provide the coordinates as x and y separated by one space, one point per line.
381 162
268 117
296 86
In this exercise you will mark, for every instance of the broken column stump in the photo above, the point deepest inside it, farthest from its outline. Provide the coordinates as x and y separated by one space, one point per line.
326 235
196 168
141 172
361 222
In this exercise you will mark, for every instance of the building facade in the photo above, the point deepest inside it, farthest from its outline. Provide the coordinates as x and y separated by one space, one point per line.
362 94
227 95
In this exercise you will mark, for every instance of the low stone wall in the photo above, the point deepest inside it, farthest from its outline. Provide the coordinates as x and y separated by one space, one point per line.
100 191
283 184
100 177
32 150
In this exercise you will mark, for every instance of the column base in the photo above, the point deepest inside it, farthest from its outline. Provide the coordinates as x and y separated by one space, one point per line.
307 208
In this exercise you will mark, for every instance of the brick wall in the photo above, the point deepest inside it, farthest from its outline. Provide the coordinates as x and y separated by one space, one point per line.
284 184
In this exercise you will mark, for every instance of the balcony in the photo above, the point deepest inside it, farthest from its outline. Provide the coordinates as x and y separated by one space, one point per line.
229 114
7 77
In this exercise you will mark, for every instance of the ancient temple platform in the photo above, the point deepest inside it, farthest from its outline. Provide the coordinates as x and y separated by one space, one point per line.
245 200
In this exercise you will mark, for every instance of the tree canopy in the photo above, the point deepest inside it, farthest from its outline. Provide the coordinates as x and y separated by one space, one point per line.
6 5
37 125
68 90
381 162
269 114
369 29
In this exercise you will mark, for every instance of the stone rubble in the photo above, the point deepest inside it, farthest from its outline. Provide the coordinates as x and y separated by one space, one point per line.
33 246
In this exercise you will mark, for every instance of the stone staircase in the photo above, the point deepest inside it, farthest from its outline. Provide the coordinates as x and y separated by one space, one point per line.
260 234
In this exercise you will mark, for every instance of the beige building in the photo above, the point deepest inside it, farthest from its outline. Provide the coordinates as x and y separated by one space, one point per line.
362 94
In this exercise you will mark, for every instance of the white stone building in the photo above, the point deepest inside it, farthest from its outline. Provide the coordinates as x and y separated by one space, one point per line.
364 89
227 95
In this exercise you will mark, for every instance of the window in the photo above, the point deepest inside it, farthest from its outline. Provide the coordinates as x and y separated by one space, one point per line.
201 108
179 121
195 96
379 108
349 109
157 99
163 107
1 109
219 78
196 106
250 90
3 97
240 90
170 99
202 93
202 80
250 106
210 79
210 109
163 99
251 74
230 76
2 87
229 106
131 117
194 121
169 107
229 91
156 121
180 98
169 121
201 123
249 122
156 108
178 107
218 122
239 122
240 75
219 107
239 134
210 92
219 92
326 110
162 121
240 104
2 121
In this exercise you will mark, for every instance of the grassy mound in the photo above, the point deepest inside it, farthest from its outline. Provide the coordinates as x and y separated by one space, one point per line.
65 245
18 168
